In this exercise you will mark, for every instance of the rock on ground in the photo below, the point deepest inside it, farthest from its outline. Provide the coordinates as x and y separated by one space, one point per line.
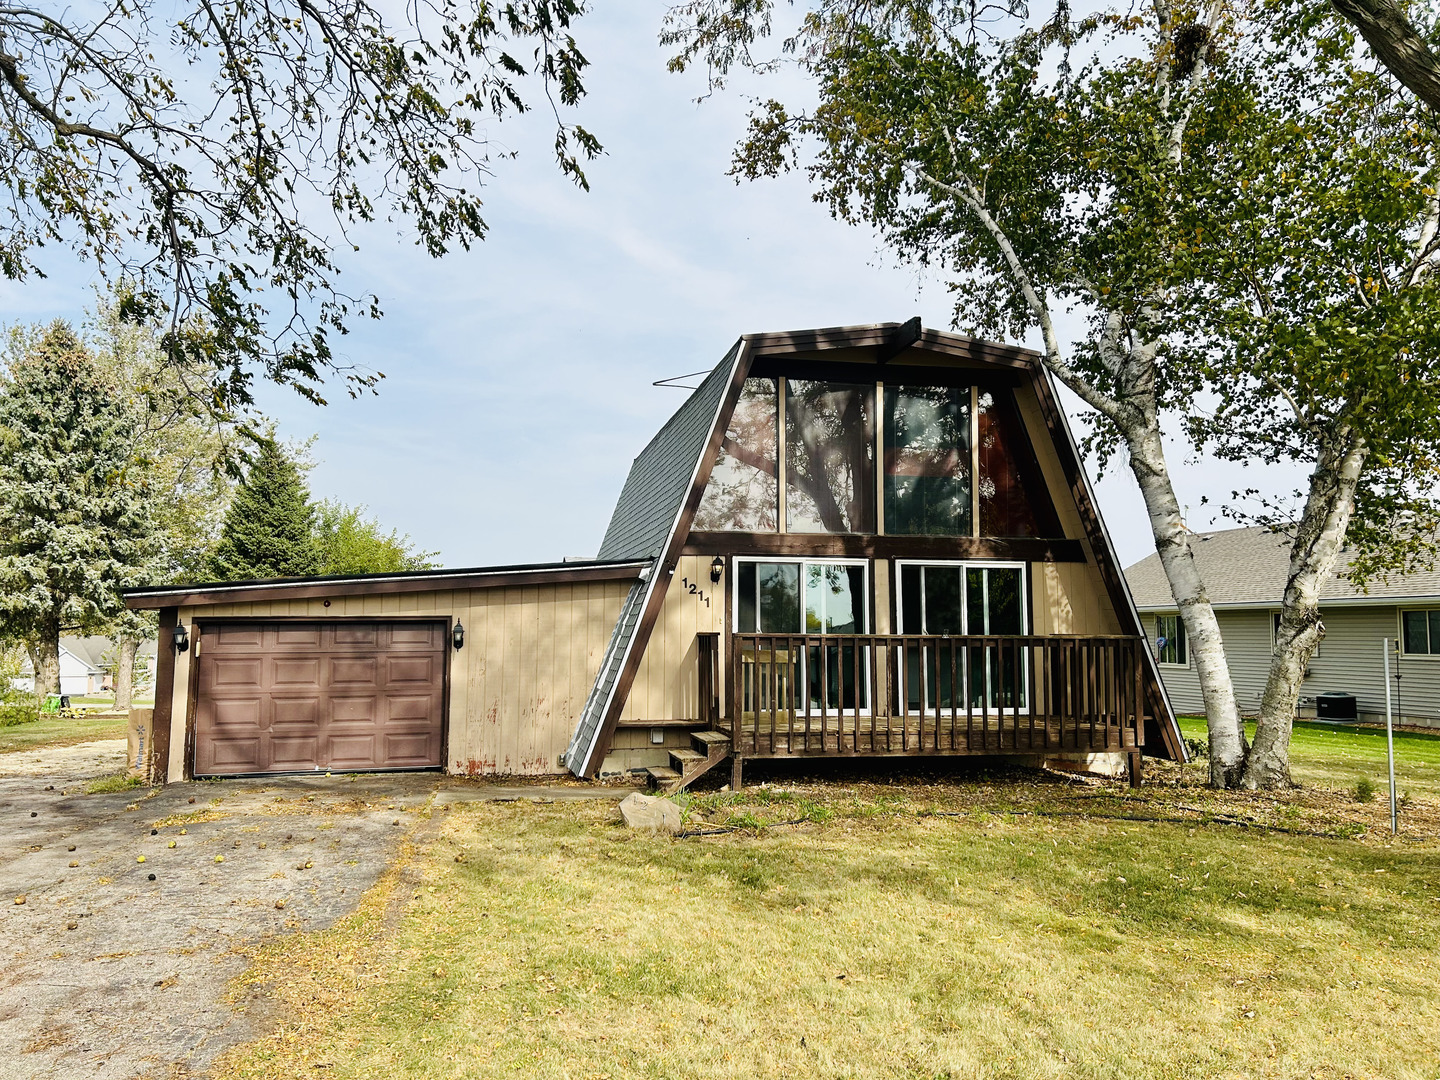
650 813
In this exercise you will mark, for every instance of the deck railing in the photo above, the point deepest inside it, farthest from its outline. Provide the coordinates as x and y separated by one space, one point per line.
897 694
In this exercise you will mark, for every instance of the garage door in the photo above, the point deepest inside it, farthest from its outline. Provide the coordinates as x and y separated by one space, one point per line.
298 696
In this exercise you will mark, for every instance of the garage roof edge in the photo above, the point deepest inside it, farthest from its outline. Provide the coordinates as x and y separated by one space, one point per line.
483 577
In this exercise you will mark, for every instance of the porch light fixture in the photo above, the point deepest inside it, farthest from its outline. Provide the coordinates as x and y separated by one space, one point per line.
180 638
457 635
717 568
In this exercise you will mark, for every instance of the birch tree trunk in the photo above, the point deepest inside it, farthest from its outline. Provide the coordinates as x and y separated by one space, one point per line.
125 673
1319 537
1202 631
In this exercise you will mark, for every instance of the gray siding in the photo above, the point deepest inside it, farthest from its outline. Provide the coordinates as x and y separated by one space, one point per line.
1349 661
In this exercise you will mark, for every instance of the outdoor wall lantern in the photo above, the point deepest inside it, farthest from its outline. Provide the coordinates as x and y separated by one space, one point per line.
180 637
717 568
457 635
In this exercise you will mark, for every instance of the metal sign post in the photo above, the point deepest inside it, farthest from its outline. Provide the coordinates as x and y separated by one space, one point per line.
1390 736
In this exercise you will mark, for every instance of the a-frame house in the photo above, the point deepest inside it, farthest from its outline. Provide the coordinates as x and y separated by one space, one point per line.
859 541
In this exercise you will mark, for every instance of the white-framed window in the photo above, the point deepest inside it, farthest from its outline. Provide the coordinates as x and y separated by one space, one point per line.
1420 632
811 597
777 595
963 598
1171 648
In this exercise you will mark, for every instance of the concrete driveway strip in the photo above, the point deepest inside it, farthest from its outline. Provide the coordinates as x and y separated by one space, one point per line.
107 973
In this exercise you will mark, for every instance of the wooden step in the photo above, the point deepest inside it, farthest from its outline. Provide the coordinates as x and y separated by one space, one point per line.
663 778
710 739
685 758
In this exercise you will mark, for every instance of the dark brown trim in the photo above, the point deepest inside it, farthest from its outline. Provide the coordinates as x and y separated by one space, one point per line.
310 590
896 373
879 335
192 698
1017 549
164 694
1110 574
665 566
907 334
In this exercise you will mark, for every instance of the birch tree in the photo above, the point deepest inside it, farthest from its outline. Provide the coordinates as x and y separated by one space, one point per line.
1315 295
1036 188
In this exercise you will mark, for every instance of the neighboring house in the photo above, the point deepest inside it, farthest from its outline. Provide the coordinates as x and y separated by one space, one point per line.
85 666
861 541
1245 572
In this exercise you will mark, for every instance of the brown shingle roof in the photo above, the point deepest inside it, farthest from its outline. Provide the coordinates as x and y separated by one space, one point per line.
1248 567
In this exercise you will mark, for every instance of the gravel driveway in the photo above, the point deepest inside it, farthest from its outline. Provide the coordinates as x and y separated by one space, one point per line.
105 972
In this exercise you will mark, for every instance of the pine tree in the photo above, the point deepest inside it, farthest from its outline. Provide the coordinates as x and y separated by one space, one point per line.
75 503
269 530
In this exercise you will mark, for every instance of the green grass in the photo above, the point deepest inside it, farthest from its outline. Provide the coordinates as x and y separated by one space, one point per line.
996 928
54 731
105 785
1337 755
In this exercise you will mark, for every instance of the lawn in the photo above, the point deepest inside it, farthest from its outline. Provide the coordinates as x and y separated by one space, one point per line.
956 925
57 731
1337 755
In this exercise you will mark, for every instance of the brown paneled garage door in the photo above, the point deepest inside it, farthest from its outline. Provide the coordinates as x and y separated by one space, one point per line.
278 697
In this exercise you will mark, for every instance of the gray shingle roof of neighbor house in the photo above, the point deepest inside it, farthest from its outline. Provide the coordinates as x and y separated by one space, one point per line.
1248 567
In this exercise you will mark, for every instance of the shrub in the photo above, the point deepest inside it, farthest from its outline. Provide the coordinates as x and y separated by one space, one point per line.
17 706
1364 789
1198 749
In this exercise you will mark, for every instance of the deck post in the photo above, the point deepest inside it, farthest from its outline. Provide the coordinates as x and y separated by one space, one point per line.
737 771
1137 768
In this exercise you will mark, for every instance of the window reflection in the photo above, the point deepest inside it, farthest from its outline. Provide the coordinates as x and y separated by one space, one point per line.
829 457
927 460
1005 508
744 490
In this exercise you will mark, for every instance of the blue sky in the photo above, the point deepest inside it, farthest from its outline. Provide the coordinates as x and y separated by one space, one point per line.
518 375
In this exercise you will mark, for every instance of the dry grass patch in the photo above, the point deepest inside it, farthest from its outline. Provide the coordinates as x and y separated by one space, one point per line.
952 929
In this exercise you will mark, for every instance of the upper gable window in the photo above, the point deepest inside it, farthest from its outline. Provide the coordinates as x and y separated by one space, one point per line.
744 490
1008 496
952 461
927 460
829 457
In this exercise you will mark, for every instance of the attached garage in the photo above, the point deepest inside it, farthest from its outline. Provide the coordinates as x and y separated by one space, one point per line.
480 672
296 696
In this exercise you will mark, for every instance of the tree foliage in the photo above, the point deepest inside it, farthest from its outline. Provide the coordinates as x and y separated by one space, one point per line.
350 542
1243 214
197 148
269 527
76 503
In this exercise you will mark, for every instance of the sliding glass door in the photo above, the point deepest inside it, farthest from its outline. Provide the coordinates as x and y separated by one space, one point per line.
963 599
813 598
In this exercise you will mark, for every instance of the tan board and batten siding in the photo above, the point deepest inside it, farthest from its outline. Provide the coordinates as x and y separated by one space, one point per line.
529 660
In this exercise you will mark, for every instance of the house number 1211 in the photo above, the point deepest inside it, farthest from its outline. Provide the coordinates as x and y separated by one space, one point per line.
694 590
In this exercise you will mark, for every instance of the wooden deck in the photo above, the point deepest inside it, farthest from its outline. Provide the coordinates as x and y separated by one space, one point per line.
891 736
906 695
